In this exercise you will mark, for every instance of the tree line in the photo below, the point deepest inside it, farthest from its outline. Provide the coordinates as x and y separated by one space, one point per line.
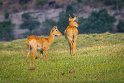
97 22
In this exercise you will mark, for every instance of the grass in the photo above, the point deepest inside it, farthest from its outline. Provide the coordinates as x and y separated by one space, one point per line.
99 59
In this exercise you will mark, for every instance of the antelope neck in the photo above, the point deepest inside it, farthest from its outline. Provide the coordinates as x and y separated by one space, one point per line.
51 38
72 26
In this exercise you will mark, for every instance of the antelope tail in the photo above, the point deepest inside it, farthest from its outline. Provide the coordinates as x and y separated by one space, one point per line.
73 38
65 34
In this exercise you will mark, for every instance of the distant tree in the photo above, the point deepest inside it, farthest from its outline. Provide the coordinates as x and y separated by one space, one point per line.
64 16
79 1
6 30
41 2
23 2
1 2
117 4
63 21
29 23
109 2
48 24
97 22
120 26
26 17
70 9
6 15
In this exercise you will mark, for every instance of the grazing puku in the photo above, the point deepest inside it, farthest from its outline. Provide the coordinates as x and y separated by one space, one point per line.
71 33
33 43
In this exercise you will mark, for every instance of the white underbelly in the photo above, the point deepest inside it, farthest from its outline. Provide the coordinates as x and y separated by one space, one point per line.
39 48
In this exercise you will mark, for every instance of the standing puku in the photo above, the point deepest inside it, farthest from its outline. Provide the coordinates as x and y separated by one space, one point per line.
33 43
71 33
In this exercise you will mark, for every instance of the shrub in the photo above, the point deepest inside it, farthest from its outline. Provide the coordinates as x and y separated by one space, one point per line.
6 15
109 2
26 16
63 21
63 17
6 31
117 4
23 2
79 1
41 2
1 2
120 26
48 24
97 22
29 23
70 9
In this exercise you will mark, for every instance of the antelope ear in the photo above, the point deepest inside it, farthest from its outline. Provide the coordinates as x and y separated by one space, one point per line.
52 29
70 18
75 17
55 27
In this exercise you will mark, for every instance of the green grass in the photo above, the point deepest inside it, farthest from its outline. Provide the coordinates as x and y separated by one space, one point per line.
99 59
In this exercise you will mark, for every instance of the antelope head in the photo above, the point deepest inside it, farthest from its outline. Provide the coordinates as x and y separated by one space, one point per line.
72 21
54 31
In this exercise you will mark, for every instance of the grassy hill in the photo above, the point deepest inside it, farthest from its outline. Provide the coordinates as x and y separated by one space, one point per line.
99 58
